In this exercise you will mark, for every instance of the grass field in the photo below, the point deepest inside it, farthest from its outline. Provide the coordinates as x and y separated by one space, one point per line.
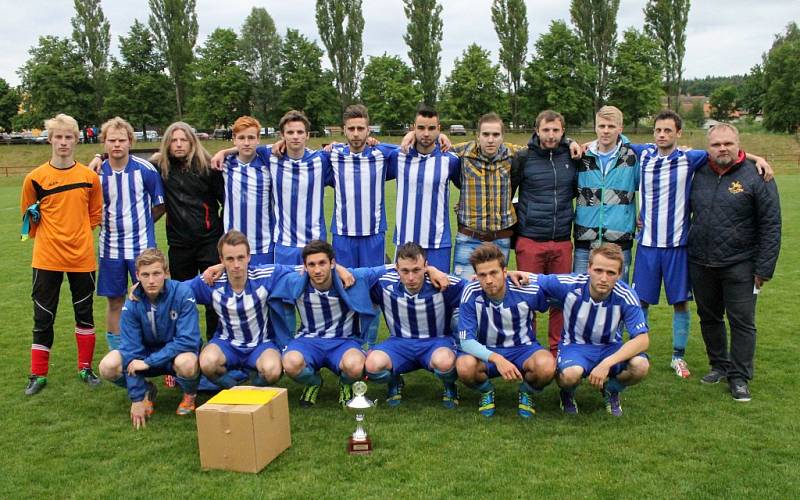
678 438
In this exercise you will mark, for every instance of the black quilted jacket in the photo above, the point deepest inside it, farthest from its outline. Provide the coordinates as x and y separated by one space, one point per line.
735 217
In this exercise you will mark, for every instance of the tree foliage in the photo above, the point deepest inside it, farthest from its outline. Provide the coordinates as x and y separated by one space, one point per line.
174 25
9 105
752 90
474 87
304 86
559 77
665 21
596 24
55 80
697 115
635 79
510 18
138 89
723 102
341 24
221 91
91 34
424 39
782 98
260 47
389 91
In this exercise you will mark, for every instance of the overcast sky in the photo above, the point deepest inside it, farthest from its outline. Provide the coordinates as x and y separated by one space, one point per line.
724 37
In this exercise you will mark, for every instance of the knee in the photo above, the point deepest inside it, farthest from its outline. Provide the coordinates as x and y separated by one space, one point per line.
638 367
570 377
376 361
210 360
353 365
443 361
186 365
270 371
467 368
544 366
293 363
111 366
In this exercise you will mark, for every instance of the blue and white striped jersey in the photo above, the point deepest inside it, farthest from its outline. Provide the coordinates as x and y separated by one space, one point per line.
325 314
128 198
423 315
590 322
244 316
664 187
248 201
298 192
358 178
423 196
505 324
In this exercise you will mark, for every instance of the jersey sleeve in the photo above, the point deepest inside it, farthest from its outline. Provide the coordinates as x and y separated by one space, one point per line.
452 294
696 158
28 195
633 316
154 187
187 332
200 290
391 164
551 286
327 168
467 319
455 170
131 346
95 202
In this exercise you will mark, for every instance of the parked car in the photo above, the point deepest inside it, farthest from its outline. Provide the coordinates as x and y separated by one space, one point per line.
220 133
203 136
375 129
457 130
42 138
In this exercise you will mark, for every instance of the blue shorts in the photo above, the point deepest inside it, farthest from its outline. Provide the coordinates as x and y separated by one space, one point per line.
289 256
588 356
360 251
437 257
242 357
319 353
517 355
112 276
262 259
654 264
412 354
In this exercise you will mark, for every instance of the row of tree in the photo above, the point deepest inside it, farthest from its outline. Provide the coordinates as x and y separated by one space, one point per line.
160 74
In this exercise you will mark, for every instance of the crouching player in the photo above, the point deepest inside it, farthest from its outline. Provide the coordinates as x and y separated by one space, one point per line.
595 305
497 333
158 336
418 316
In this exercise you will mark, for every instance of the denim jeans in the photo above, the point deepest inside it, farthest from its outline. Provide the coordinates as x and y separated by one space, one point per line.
465 245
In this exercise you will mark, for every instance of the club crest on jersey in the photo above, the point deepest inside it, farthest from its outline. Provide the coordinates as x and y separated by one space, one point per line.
173 314
736 187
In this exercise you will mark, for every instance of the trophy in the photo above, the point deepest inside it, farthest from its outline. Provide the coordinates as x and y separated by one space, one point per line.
359 443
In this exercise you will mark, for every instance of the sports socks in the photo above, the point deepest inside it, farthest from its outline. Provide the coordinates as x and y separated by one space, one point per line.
113 341
525 386
345 379
85 339
120 381
40 360
225 381
189 385
449 377
381 377
485 386
680 333
614 385
308 377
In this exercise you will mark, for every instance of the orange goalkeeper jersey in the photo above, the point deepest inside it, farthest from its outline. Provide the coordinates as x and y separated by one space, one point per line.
71 205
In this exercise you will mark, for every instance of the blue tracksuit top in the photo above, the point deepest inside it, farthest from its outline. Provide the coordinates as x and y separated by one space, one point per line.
157 332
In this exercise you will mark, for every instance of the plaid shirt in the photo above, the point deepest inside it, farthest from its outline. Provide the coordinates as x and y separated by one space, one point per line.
485 202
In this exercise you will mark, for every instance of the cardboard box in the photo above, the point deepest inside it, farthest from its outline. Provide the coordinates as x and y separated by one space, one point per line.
243 438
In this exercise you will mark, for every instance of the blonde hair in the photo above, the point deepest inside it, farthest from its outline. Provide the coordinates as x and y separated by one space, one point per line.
611 113
151 256
117 123
723 126
62 122
197 158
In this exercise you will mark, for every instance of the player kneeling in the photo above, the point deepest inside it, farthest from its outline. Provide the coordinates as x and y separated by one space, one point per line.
497 335
158 336
595 305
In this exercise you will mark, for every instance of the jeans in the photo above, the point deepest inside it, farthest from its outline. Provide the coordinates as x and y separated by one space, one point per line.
465 245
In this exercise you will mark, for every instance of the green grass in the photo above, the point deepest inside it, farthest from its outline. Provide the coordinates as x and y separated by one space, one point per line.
677 438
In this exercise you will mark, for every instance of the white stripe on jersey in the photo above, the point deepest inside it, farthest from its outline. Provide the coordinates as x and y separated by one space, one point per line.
414 316
325 316
298 194
243 316
664 188
248 206
358 192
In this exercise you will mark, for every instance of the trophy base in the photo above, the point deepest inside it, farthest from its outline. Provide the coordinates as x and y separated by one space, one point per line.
359 447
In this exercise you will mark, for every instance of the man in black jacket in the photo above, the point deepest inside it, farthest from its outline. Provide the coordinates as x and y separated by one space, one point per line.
545 176
733 247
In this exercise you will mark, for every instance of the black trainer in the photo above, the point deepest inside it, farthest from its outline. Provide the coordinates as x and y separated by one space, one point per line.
88 377
713 377
740 391
35 385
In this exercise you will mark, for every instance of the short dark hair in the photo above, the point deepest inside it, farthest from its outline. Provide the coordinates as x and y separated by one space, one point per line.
232 238
410 251
294 116
487 252
317 246
426 111
668 114
490 117
355 111
548 115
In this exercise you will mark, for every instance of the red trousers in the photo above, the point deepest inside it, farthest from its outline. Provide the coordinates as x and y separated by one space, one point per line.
549 257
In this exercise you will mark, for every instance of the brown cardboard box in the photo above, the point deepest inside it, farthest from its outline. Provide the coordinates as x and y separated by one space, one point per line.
243 438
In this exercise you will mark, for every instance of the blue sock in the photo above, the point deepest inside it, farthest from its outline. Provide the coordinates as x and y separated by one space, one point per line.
381 377
188 385
344 379
525 386
113 341
449 377
260 381
680 333
225 381
120 381
614 385
308 377
485 386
